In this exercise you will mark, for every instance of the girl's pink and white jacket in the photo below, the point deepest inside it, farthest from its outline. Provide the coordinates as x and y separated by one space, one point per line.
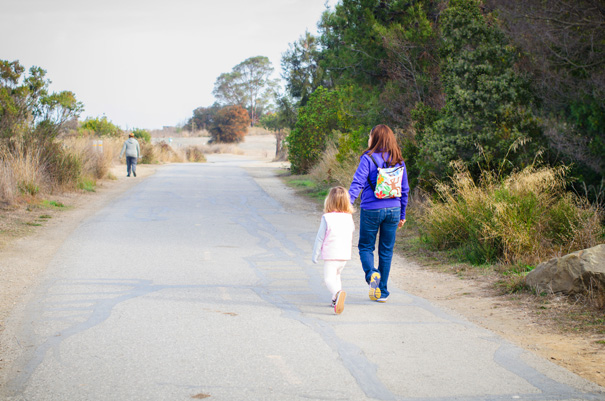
334 237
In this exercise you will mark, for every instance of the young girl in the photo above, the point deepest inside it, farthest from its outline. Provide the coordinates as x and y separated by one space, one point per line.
333 241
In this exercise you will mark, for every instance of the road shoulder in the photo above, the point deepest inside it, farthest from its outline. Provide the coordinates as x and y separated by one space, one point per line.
23 259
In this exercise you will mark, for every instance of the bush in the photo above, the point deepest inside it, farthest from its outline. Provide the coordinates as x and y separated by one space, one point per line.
21 171
63 166
159 153
148 153
333 168
522 219
230 125
488 104
194 154
142 134
314 126
100 127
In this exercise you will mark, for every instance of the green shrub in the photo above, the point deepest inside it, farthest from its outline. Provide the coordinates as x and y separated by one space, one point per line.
100 126
87 184
52 204
488 103
142 134
314 126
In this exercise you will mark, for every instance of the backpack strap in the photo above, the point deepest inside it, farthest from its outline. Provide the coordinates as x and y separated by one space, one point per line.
369 181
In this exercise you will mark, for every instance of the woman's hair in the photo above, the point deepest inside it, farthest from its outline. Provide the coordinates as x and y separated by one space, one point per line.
383 140
338 201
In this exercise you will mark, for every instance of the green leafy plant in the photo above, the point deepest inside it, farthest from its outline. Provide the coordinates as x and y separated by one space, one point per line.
100 126
488 104
87 184
315 123
50 203
142 134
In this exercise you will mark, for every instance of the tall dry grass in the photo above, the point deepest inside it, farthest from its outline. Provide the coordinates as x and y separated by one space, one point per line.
329 171
159 153
96 156
219 148
31 168
164 153
194 154
22 171
522 219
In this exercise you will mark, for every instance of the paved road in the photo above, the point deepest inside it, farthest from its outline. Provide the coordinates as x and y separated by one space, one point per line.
198 284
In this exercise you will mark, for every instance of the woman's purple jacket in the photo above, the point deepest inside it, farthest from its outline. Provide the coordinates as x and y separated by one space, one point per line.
366 169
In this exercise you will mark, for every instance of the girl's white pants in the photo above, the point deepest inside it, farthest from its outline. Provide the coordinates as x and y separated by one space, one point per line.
332 270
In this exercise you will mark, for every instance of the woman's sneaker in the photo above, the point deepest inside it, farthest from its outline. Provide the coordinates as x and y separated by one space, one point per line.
339 303
374 284
383 299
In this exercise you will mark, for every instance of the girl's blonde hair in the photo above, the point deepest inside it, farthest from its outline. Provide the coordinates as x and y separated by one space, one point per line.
338 201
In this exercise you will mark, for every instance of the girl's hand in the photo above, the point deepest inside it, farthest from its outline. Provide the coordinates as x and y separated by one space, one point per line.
401 223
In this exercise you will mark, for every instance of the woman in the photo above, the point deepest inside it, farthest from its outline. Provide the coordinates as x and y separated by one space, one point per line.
379 217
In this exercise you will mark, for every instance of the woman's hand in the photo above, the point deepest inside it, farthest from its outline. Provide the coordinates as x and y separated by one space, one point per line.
401 223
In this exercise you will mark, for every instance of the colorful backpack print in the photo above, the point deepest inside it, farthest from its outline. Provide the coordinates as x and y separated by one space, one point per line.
388 181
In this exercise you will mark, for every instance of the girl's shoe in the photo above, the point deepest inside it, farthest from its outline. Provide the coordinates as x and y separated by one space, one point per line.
383 299
339 302
374 283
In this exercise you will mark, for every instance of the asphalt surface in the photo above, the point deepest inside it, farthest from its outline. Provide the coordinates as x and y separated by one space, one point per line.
198 284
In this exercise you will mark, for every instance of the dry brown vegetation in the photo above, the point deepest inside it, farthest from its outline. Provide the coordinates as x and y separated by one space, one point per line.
330 171
72 163
221 148
523 219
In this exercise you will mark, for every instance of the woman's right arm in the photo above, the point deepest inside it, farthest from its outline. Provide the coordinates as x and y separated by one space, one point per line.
359 179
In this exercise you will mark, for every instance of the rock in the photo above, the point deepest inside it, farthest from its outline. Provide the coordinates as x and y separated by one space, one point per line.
576 273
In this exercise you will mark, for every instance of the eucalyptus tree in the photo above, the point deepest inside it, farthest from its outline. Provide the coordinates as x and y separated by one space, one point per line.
249 85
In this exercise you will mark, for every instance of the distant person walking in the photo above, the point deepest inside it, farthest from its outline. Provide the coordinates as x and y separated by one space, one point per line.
334 241
380 216
133 153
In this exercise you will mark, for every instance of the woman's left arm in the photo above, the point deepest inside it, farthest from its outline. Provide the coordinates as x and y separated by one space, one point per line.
405 189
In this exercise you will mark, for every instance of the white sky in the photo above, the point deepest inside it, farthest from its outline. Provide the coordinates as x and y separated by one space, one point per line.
148 63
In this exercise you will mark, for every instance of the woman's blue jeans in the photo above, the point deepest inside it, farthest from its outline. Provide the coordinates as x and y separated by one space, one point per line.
382 223
131 164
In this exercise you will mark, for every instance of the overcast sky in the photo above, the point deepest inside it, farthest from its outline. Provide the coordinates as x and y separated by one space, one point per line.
148 63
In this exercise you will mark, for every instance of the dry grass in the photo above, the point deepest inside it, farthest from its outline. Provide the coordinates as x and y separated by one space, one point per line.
258 131
221 148
22 171
523 219
161 153
97 156
329 171
29 169
194 154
